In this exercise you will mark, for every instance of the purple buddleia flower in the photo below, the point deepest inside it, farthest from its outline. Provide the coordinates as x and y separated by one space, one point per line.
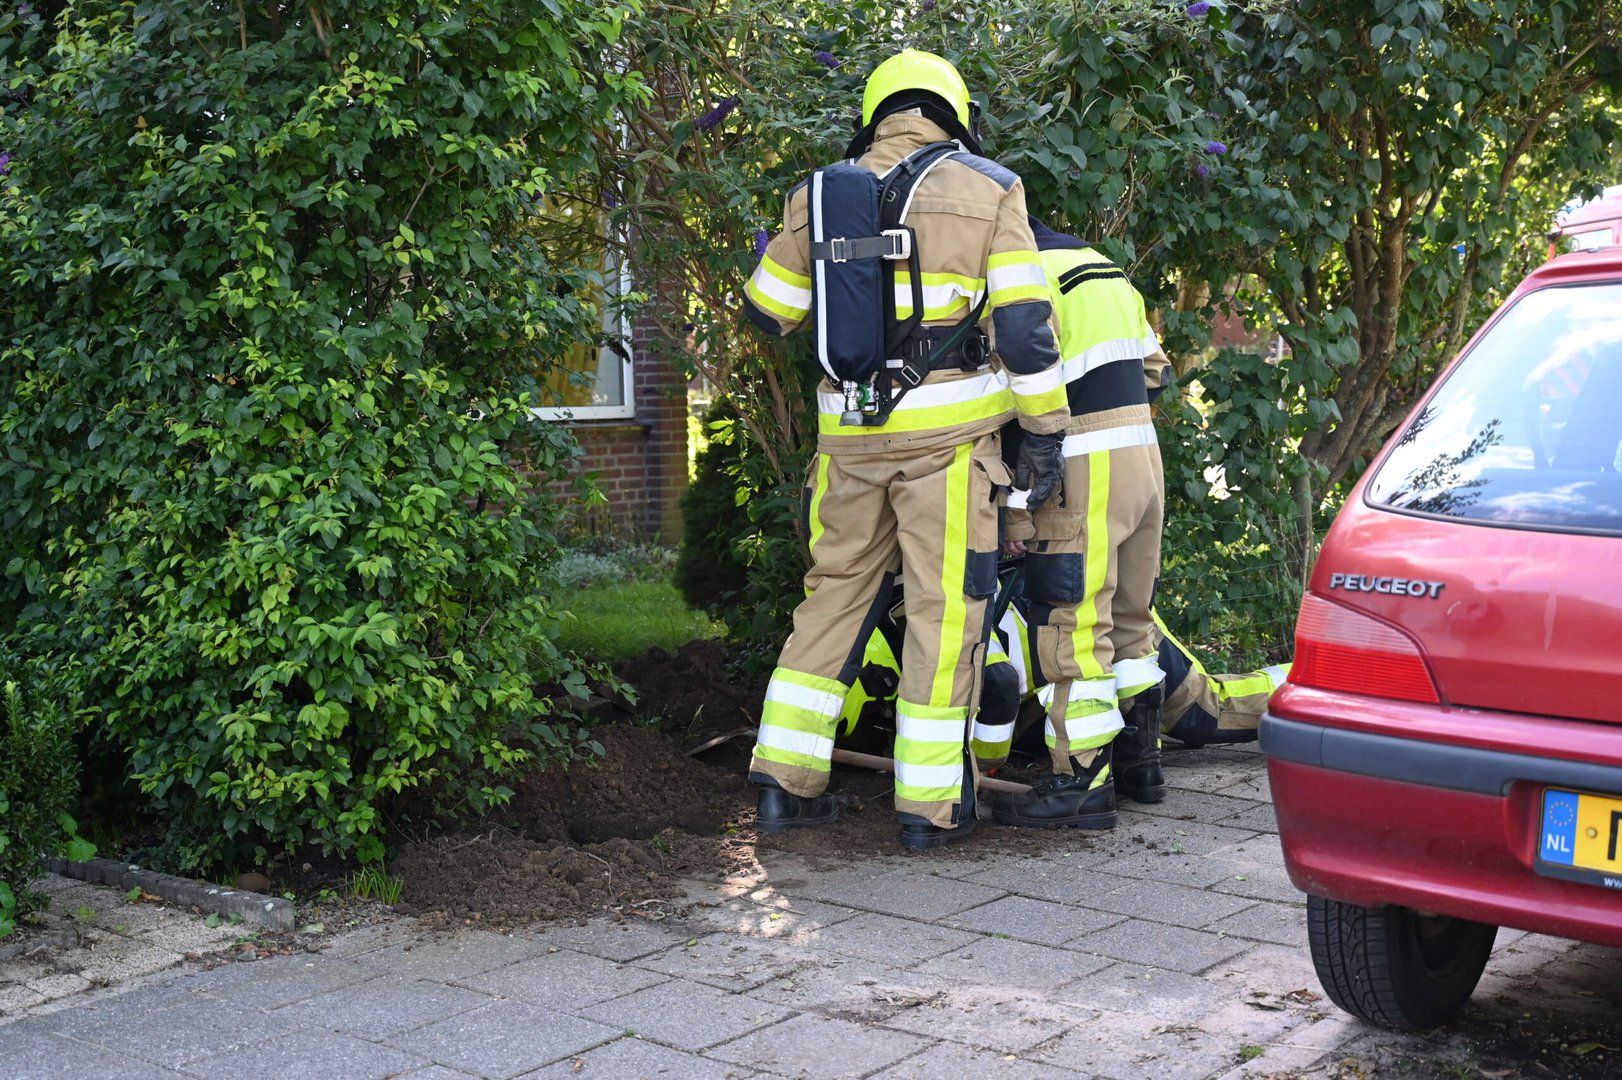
5 162
762 238
1202 171
826 58
713 118
24 10
1214 147
1199 9
929 5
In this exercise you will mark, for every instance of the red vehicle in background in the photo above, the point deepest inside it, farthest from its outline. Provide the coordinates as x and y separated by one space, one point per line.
1589 227
1446 757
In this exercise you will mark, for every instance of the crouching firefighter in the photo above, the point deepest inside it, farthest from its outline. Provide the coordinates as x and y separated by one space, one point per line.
1092 559
914 266
1200 708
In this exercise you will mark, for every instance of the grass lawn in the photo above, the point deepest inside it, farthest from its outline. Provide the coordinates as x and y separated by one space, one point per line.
618 620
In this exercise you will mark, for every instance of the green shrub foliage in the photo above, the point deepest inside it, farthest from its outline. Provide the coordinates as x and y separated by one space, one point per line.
741 557
274 307
39 779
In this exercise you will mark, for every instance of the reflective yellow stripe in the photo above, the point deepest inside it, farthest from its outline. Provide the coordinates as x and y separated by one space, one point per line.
1037 404
926 419
1012 258
767 303
1015 293
779 290
818 488
969 285
1192 659
955 555
783 273
1096 566
932 314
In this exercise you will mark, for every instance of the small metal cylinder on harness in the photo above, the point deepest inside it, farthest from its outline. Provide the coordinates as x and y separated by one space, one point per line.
852 416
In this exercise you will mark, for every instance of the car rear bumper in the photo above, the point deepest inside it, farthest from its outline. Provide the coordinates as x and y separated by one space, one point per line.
1372 812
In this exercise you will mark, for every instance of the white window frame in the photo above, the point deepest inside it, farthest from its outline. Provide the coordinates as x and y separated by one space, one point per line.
616 325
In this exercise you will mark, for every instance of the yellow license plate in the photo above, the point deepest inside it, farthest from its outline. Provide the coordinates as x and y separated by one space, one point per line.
1583 831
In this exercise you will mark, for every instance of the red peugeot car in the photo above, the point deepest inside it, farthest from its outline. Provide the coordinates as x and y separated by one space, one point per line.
1446 757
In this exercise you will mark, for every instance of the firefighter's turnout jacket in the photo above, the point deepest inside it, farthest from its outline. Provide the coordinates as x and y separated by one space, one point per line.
1092 559
923 484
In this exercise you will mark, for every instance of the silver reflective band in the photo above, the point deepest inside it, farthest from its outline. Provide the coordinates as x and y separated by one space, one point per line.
796 742
812 700
928 776
1096 442
993 733
1144 671
1018 497
1388 586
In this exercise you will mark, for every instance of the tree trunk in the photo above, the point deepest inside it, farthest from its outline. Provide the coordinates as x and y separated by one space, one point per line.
1306 539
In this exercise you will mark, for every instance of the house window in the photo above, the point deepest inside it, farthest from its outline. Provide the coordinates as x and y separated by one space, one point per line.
594 382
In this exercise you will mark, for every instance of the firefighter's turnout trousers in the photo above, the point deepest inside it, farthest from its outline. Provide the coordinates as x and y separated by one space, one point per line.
1204 708
939 508
1092 560
919 489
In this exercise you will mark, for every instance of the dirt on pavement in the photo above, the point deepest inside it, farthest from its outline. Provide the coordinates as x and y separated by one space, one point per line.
618 834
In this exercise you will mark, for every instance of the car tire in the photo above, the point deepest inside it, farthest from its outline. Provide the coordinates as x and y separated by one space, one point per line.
1393 966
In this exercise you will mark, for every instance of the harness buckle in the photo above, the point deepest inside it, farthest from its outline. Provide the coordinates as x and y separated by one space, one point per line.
900 244
839 250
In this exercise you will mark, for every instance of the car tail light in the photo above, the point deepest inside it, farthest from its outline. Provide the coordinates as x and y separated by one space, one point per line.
1337 648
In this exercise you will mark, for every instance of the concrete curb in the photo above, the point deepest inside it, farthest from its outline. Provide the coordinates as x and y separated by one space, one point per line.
256 908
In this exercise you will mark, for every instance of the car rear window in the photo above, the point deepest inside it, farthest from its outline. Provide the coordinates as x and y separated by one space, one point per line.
1527 429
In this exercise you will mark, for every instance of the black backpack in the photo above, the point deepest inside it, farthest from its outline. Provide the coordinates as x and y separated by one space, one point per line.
859 237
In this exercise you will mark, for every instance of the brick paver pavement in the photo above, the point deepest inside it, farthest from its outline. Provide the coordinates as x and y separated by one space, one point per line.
1171 948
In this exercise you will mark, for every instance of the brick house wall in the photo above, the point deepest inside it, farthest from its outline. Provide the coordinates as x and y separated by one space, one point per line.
640 462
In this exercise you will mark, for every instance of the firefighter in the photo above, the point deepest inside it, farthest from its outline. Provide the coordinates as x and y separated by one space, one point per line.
1202 708
1092 558
908 455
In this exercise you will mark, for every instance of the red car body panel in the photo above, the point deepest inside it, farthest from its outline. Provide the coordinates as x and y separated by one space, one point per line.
1526 621
1437 807
1375 841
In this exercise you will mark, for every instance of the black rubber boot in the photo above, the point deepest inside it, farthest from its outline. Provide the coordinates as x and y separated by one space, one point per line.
1062 801
777 810
1137 750
920 835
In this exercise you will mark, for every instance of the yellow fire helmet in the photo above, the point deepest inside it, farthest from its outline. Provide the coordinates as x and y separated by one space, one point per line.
914 69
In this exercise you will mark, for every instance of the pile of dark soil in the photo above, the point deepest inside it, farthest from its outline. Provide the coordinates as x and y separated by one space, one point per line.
610 835
690 693
620 834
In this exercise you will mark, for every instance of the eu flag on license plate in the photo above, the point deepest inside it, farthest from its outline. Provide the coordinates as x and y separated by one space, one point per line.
1559 841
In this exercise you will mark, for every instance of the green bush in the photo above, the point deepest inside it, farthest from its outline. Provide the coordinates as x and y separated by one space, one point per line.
39 780
276 303
742 558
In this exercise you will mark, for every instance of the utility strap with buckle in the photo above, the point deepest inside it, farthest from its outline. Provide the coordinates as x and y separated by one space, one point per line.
892 244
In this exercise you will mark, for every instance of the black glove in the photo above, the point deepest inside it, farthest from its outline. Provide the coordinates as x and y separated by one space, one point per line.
1040 467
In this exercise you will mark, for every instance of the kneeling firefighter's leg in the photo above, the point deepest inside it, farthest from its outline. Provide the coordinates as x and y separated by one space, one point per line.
852 545
993 730
947 525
